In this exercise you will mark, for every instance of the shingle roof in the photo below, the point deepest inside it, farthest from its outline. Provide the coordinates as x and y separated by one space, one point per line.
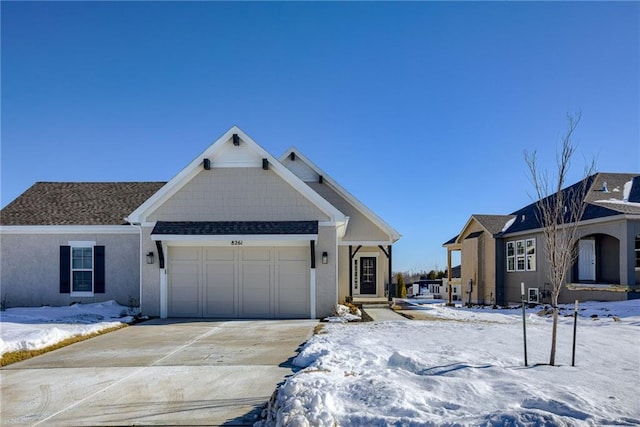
217 228
600 204
77 203
493 223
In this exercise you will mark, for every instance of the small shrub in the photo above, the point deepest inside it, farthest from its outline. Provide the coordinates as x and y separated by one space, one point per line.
4 304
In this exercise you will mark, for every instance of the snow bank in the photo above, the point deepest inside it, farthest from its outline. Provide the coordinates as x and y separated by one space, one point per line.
466 368
33 328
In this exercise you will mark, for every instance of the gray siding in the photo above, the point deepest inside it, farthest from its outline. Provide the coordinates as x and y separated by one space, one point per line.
30 266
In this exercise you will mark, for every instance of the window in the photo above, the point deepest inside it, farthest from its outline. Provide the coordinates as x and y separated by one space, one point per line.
521 255
534 295
82 269
531 254
511 256
638 251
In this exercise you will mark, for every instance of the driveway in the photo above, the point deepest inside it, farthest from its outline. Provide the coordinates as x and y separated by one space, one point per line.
160 372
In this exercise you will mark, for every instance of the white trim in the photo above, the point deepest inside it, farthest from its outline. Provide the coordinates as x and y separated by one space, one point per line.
81 244
236 240
163 292
67 229
365 243
81 294
368 213
312 293
195 167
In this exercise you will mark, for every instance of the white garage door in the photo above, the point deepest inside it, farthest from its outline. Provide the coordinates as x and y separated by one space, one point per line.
239 282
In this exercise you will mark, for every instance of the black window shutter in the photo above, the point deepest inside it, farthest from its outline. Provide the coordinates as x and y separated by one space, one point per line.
65 269
98 270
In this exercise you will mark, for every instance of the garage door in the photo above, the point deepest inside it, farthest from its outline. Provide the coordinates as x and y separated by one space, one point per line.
238 282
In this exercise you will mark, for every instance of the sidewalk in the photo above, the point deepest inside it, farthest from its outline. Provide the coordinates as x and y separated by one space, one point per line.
381 314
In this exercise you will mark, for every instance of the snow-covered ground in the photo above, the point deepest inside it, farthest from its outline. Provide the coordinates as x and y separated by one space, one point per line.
34 328
465 367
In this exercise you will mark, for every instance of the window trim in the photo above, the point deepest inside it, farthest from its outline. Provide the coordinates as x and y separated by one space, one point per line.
537 293
80 245
521 255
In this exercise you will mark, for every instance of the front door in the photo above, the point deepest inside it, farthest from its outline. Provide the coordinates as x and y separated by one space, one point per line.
368 275
587 259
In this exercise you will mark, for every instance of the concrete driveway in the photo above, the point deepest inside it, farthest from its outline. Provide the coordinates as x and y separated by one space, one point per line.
160 372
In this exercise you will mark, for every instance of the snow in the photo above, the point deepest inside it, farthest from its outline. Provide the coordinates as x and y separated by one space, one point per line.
34 328
508 224
464 367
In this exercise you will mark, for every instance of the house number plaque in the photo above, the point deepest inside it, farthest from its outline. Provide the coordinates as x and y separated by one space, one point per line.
236 243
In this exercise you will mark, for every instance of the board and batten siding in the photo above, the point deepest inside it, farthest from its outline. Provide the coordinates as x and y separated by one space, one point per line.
237 194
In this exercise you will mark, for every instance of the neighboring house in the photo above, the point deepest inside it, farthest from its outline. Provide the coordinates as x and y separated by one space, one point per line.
236 234
499 252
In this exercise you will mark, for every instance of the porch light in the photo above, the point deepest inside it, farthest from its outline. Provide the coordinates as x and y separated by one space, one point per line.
236 139
150 258
325 258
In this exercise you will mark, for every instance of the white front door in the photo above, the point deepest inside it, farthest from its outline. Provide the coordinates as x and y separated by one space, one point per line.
587 259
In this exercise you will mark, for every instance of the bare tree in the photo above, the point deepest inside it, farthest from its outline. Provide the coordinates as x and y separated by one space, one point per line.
559 211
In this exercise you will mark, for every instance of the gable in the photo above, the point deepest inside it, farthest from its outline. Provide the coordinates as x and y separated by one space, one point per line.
364 225
237 194
360 228
232 179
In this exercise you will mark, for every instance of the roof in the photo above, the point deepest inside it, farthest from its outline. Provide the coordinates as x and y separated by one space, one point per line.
77 203
494 224
616 198
216 228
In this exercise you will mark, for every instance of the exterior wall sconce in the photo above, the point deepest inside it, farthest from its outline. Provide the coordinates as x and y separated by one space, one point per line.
325 258
236 139
206 164
265 164
150 258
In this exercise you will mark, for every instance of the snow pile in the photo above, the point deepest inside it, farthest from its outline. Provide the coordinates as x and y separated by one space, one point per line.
466 367
33 328
344 314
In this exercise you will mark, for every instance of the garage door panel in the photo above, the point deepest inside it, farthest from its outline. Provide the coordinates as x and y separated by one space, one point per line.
220 289
185 254
293 254
256 254
256 290
293 289
220 254
184 290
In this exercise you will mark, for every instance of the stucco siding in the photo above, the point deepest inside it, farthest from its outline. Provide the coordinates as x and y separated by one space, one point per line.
150 299
326 274
237 194
30 268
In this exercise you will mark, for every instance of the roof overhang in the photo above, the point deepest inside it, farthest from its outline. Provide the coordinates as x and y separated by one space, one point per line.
236 233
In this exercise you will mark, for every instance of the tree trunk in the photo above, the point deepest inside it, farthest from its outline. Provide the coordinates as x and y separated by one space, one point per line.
554 333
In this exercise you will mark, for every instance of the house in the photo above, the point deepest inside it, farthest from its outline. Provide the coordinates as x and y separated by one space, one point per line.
500 252
237 233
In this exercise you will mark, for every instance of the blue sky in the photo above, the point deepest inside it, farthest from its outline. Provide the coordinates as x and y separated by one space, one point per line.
421 110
